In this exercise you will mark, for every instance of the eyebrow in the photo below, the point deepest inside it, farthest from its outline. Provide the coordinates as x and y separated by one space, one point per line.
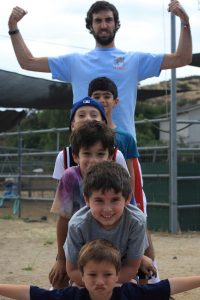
101 92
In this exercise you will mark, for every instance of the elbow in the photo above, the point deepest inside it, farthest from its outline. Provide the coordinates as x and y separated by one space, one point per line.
27 64
185 60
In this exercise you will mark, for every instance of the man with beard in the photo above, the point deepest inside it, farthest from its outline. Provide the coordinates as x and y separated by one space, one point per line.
126 69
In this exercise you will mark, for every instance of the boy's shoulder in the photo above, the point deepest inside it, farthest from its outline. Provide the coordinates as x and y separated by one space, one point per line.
126 142
133 212
82 216
72 172
124 133
147 291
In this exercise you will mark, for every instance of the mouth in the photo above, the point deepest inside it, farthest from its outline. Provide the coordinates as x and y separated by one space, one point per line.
104 32
107 217
99 289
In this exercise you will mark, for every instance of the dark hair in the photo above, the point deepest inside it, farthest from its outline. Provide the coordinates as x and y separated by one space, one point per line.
105 176
89 133
98 6
99 250
103 84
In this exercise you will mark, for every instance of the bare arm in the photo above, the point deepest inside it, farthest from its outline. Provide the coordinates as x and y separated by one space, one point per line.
183 54
74 273
129 271
150 250
18 292
129 163
25 58
179 285
58 276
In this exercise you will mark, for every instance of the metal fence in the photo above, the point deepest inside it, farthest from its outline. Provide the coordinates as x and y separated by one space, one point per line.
31 171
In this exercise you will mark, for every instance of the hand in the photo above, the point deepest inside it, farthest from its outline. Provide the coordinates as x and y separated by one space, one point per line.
58 276
147 267
16 15
176 8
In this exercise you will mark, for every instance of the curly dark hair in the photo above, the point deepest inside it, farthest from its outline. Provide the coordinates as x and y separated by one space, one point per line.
90 133
98 6
105 176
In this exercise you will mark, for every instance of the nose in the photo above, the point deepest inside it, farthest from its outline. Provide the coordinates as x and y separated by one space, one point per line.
107 208
93 160
88 118
102 100
103 24
100 281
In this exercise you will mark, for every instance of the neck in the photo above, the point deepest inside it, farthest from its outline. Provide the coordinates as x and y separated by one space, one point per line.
110 122
111 45
95 297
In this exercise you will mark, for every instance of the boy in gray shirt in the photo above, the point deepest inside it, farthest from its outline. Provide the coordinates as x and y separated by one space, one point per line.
108 214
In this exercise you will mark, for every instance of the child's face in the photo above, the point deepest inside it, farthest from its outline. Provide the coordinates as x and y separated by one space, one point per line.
100 279
107 208
84 114
107 100
90 156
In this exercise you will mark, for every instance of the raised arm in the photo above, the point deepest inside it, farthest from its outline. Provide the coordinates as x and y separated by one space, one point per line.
18 292
25 58
182 284
183 54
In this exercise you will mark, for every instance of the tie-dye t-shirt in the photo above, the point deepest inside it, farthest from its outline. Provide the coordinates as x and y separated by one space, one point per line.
69 194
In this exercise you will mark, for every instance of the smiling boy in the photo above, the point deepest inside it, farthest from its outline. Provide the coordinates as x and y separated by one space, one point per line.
108 214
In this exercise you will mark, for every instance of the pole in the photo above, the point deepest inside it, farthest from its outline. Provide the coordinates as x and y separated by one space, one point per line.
19 168
173 147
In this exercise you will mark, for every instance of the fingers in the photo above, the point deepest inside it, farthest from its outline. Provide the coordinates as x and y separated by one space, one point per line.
153 272
18 13
176 8
58 277
51 274
60 280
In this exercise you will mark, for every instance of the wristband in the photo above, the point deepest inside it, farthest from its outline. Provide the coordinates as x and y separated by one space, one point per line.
11 32
185 25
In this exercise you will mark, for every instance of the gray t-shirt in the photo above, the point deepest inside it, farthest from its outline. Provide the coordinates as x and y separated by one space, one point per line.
129 235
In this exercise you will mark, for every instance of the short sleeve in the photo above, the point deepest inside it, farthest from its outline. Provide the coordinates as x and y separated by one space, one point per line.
59 166
69 195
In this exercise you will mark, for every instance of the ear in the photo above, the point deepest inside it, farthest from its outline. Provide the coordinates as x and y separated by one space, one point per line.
72 125
82 277
87 201
110 157
128 200
91 29
75 158
116 101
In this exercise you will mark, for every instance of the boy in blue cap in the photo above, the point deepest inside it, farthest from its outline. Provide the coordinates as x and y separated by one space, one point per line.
84 110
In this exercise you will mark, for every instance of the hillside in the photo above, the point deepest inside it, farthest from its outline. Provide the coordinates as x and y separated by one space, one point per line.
188 92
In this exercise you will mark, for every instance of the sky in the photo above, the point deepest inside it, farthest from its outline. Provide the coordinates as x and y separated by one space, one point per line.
53 28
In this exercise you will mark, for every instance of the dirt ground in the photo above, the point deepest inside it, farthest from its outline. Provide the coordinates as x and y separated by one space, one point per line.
28 250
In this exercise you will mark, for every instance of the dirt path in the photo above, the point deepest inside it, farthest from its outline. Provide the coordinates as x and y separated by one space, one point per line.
28 250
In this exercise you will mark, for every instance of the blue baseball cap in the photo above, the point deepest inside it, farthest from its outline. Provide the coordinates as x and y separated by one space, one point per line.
87 101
